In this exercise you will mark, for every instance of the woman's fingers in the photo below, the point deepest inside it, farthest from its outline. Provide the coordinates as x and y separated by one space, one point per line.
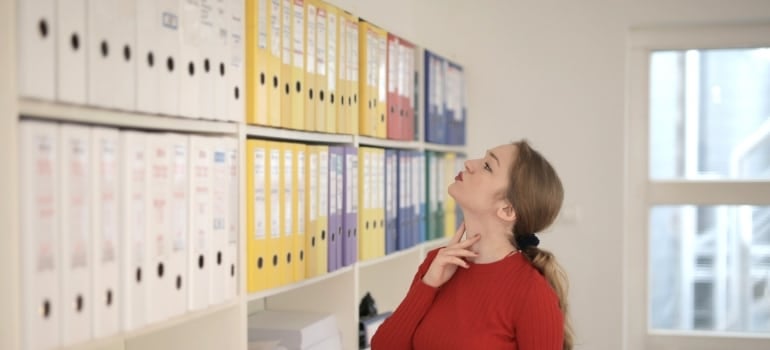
460 252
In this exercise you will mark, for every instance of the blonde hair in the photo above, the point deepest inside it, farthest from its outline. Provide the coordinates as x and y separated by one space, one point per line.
536 193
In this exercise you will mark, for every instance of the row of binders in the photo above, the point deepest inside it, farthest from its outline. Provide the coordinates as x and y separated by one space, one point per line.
171 57
312 66
313 209
299 64
121 229
445 100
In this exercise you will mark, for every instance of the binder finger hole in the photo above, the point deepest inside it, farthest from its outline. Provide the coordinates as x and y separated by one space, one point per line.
301 255
206 65
287 88
75 41
221 69
201 261
288 258
392 110
46 309
79 303
310 93
331 98
237 93
350 101
260 262
127 53
139 275
42 28
219 258
160 270
275 82
150 59
178 282
382 118
323 234
104 48
232 270
191 69
262 78
170 64
109 297
321 95
298 87
355 98
275 260
312 241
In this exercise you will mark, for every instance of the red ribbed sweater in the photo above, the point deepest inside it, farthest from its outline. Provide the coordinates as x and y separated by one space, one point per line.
501 305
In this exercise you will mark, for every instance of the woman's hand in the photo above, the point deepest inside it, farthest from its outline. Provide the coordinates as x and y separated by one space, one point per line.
449 258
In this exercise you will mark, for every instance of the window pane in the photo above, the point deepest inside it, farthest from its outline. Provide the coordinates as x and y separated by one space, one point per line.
710 114
710 268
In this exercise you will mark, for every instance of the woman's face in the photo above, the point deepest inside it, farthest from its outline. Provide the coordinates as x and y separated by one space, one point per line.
480 187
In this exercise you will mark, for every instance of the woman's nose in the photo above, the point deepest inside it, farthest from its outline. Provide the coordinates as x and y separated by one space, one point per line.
468 164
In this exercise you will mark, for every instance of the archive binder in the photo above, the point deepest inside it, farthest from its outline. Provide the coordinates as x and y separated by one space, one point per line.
37 28
71 41
200 240
42 260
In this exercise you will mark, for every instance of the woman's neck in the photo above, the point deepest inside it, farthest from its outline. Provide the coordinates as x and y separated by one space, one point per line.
494 243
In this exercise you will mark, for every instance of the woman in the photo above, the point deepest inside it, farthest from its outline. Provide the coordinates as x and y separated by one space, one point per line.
495 289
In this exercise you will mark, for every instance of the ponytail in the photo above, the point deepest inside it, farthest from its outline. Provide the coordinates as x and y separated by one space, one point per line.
545 263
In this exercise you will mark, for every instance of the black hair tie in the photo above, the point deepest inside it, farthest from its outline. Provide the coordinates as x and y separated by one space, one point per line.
527 240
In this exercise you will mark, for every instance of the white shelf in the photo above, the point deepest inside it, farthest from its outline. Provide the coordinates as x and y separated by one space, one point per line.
55 111
385 143
117 341
297 135
299 285
443 148
392 256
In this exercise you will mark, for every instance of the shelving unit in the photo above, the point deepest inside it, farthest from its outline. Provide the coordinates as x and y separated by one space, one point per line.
220 326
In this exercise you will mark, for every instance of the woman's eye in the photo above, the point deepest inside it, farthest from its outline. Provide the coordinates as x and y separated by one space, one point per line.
487 167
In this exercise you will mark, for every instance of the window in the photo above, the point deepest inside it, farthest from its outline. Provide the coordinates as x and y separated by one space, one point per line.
698 188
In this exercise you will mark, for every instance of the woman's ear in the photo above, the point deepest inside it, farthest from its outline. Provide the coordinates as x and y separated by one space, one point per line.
507 213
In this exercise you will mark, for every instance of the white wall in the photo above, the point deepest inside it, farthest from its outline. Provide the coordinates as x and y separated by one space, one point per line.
553 72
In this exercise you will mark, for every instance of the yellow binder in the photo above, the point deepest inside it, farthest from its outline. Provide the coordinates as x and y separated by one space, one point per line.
450 218
380 117
287 213
287 53
331 45
349 35
310 95
256 218
321 26
273 191
298 206
274 78
298 65
364 195
367 43
256 62
341 95
311 210
322 225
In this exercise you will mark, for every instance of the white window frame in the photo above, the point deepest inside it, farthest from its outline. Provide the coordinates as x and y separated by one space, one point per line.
640 193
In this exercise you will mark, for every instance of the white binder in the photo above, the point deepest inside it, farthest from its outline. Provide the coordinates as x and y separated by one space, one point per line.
159 276
189 58
40 263
149 63
135 210
167 58
71 41
105 233
179 230
36 29
75 210
218 51
236 101
111 53
219 215
199 244
232 265
208 32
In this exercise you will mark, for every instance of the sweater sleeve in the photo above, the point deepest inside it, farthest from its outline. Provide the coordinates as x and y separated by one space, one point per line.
397 330
540 325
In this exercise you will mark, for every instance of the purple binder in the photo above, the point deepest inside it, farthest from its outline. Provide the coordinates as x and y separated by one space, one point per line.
350 206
